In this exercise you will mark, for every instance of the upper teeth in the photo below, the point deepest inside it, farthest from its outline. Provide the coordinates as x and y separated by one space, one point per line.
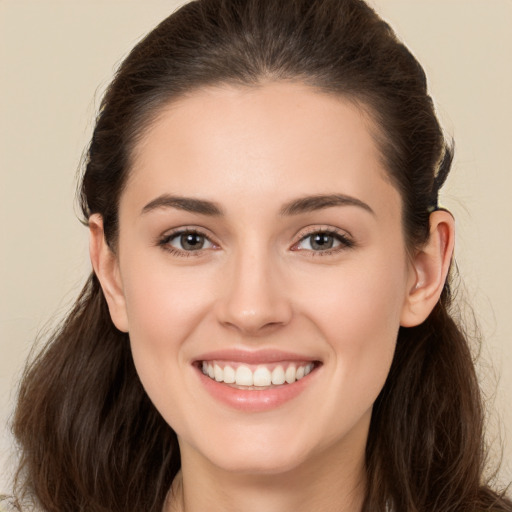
261 376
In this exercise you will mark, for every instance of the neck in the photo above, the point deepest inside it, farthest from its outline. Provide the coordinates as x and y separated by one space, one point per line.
323 484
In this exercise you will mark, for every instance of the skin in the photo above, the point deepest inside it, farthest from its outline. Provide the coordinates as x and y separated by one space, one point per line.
258 283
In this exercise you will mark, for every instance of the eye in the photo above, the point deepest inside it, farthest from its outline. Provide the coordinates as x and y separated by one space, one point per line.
186 241
323 241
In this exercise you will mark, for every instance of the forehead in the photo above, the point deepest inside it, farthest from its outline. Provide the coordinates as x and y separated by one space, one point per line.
277 141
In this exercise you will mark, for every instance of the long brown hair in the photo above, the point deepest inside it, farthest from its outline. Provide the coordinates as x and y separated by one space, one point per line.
89 436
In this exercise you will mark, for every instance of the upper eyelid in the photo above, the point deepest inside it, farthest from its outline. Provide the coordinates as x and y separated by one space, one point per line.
168 234
311 230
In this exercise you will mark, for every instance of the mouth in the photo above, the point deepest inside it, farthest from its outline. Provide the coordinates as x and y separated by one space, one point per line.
256 376
256 381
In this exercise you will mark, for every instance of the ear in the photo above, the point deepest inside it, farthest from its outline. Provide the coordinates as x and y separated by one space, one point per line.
429 270
106 267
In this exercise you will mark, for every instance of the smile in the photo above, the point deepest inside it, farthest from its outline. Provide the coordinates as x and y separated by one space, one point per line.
254 382
256 376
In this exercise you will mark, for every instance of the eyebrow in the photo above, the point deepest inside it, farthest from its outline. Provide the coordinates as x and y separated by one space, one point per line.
319 202
297 206
187 204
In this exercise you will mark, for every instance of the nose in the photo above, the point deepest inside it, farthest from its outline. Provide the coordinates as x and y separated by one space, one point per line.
254 301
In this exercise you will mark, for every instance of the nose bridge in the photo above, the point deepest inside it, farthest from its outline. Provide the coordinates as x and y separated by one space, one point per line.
254 300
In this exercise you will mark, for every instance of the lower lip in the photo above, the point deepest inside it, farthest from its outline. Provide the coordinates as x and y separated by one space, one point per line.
255 400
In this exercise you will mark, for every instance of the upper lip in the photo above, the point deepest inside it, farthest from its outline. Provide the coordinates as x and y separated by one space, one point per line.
253 357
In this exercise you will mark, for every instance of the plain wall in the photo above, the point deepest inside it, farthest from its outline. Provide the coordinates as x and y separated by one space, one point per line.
57 57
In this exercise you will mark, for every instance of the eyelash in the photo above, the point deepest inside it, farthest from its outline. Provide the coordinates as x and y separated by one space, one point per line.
164 242
344 241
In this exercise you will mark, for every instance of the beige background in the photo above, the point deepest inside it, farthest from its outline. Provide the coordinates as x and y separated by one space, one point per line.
56 58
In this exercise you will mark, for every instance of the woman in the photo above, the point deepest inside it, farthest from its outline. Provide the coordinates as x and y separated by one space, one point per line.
268 324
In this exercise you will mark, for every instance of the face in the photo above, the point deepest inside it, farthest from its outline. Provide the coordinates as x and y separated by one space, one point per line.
263 274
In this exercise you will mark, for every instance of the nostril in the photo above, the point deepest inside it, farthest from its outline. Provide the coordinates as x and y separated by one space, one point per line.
254 328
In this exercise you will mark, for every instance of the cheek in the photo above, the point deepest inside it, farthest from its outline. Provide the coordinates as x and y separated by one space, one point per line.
358 309
163 303
164 307
353 300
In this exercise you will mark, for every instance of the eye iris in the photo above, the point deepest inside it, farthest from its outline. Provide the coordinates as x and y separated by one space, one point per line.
192 241
321 241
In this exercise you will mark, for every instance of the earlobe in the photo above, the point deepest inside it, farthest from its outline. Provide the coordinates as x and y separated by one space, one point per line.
106 268
429 270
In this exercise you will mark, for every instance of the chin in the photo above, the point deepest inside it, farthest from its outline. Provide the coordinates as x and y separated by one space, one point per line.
259 463
256 454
